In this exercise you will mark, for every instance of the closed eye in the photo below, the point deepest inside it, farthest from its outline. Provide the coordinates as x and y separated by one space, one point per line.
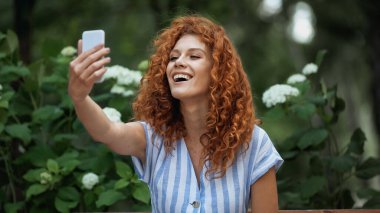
173 58
195 57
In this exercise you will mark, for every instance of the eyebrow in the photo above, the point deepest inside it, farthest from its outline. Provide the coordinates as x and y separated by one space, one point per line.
191 49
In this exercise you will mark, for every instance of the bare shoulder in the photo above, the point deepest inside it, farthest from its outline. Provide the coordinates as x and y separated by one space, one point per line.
128 139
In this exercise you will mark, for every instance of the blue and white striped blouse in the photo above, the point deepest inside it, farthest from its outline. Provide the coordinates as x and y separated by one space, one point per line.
173 184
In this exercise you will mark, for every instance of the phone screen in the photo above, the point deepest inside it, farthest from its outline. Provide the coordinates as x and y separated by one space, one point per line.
92 38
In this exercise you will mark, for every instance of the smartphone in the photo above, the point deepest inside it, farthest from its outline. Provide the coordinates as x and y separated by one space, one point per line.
90 39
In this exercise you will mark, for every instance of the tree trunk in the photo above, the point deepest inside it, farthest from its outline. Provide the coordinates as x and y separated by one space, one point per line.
372 9
22 11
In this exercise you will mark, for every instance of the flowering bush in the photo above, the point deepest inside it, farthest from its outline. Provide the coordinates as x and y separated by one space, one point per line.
48 161
319 168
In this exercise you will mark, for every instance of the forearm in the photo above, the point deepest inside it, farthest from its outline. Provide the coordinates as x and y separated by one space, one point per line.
94 120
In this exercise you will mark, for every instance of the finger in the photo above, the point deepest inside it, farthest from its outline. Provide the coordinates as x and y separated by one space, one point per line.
86 54
79 65
96 56
94 67
79 46
97 75
74 62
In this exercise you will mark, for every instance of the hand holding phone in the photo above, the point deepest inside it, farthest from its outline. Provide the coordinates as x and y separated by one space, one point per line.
90 39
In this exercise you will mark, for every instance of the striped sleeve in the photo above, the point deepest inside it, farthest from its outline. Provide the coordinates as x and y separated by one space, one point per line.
143 170
265 155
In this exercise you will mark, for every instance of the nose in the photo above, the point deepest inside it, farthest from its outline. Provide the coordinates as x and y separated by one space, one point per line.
180 62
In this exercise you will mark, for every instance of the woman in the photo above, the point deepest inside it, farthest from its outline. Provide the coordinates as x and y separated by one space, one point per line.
196 143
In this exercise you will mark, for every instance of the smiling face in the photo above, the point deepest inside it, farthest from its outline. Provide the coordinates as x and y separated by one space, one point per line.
188 70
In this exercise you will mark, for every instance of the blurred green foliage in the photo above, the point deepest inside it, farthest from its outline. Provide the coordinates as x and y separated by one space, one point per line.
320 167
44 148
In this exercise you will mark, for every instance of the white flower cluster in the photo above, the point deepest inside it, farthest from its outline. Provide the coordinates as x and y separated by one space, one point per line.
68 51
124 77
310 69
118 89
112 114
296 78
89 180
45 177
278 94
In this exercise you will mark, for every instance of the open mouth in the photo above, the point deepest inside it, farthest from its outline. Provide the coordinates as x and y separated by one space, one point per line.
181 77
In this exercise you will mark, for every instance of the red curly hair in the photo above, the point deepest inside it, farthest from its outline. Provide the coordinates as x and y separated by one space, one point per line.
231 117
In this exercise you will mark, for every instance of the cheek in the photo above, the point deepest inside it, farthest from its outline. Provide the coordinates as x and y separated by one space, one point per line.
168 68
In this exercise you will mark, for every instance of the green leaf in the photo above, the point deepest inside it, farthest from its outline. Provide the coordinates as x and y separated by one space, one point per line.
54 79
312 186
5 98
289 155
312 138
12 40
68 155
368 193
46 113
275 113
109 197
33 175
368 169
20 131
97 160
320 55
68 194
69 166
123 170
343 163
2 55
122 183
323 88
37 155
13 72
4 103
35 189
13 207
143 65
63 205
52 166
339 105
356 145
317 100
304 111
141 193
37 70
64 137
292 197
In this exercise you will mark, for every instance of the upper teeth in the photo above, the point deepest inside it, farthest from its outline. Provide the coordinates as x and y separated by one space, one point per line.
177 76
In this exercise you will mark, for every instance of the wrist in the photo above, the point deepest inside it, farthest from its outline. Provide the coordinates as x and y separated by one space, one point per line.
79 101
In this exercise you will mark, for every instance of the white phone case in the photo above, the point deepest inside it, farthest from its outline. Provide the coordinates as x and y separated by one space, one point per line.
92 38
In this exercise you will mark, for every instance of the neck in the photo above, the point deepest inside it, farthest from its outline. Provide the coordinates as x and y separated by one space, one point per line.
195 116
